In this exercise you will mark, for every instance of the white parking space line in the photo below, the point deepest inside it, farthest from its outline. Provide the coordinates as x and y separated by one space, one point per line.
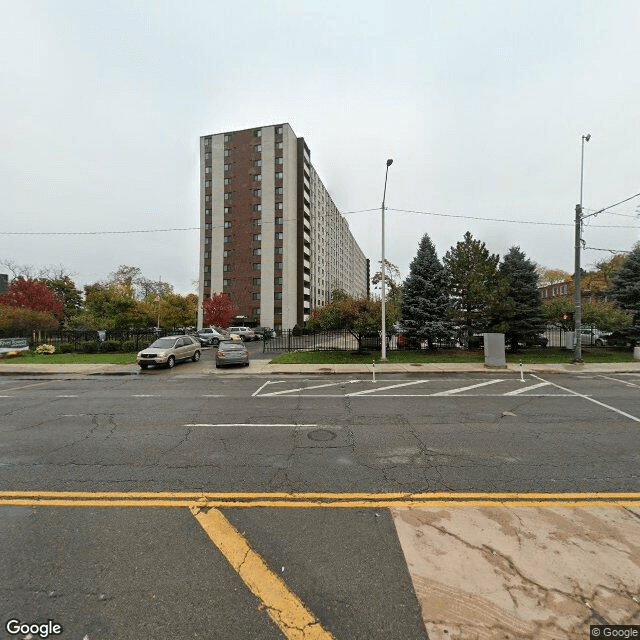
460 389
602 404
391 386
66 396
517 392
629 384
247 424
317 386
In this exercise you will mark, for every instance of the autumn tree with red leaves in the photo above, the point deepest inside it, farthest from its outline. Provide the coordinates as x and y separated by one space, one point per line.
218 310
31 294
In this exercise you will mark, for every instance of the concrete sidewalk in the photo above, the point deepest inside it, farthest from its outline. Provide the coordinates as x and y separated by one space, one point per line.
264 368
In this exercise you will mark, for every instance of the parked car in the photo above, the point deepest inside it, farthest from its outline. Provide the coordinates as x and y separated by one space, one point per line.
232 352
169 350
211 336
615 339
535 341
591 337
264 333
245 333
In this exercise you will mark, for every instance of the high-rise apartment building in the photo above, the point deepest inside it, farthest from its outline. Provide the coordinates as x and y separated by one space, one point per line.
271 237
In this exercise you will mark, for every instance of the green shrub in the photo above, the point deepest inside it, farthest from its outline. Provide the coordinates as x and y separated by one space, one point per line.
89 346
128 346
109 346
65 347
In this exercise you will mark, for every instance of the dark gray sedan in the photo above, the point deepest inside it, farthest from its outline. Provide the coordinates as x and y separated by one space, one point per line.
232 352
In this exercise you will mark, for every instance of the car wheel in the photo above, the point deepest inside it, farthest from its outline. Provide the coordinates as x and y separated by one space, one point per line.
246 364
196 356
143 365
171 362
217 366
599 343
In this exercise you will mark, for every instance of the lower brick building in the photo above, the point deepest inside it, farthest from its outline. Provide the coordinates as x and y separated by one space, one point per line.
271 237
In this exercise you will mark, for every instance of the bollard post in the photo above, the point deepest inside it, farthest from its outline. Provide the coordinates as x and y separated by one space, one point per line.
374 371
521 372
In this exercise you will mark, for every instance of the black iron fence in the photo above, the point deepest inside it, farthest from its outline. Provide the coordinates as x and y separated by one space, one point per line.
90 339
344 340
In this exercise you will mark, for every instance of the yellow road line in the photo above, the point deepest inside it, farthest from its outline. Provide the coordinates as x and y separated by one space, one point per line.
292 617
313 500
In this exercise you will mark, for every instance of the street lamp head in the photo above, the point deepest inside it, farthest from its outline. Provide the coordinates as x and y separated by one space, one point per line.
587 137
389 162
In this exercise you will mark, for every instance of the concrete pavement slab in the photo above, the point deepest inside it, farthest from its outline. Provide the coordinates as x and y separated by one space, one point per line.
533 573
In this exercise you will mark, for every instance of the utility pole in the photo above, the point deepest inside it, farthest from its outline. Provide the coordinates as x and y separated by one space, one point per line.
577 296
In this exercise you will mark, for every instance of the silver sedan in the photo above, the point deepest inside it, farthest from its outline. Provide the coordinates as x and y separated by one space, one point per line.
232 352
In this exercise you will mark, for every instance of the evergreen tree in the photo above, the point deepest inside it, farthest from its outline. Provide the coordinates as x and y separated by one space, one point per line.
424 313
626 289
475 285
522 316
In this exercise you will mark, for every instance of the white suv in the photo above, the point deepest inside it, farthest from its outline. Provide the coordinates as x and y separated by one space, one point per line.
245 333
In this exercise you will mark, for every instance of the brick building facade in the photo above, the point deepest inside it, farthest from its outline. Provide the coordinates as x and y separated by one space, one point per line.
271 237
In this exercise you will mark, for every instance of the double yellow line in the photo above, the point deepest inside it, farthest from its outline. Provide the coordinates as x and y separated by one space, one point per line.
310 500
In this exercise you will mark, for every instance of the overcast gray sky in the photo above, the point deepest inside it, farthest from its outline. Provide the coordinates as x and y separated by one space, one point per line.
481 105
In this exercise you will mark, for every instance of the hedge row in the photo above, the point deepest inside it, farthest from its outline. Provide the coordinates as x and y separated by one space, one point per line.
95 346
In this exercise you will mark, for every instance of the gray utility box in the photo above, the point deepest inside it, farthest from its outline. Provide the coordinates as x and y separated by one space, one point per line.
494 355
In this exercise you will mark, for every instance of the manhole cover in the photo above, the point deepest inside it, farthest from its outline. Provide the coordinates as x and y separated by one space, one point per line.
321 435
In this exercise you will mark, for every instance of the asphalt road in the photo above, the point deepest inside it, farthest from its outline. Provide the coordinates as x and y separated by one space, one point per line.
153 572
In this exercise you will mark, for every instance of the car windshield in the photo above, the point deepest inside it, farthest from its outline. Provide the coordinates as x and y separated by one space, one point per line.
164 343
232 346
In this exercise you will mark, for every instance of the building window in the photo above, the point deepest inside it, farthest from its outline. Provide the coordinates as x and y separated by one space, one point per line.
225 254
227 239
227 153
227 180
207 240
279 191
207 283
207 184
279 235
258 133
257 266
207 213
277 295
279 250
277 280
257 222
207 226
207 269
227 210
277 265
256 282
227 166
257 163
226 267
279 145
227 196
207 254
227 137
257 177
257 147
207 156
277 311
207 169
255 296
257 192
207 142
257 207
257 252
279 206
279 160
226 282
227 224
257 237
279 175
279 130
207 199
279 220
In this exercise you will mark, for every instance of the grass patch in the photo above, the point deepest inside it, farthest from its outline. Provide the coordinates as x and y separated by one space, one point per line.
29 357
527 356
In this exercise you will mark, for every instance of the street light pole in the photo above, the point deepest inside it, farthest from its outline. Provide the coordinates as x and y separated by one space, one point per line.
577 278
383 356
